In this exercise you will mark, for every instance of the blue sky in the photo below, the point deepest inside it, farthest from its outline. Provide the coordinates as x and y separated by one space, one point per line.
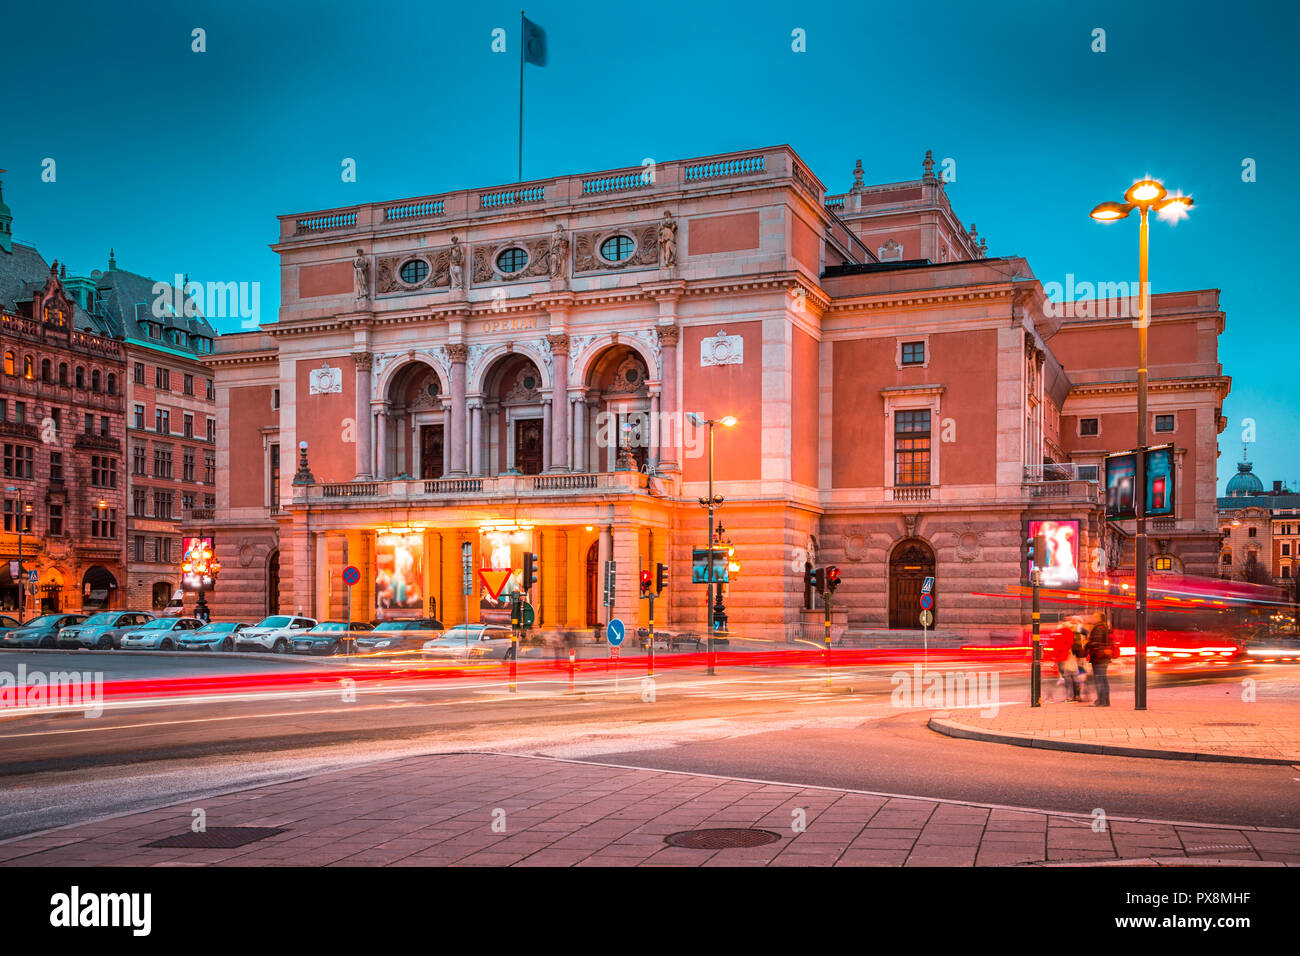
181 160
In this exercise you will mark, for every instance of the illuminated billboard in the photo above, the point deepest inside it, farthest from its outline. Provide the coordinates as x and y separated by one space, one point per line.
1160 481
197 553
700 565
1060 566
399 572
1121 484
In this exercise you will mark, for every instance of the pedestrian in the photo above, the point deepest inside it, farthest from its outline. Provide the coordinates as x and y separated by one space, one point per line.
1080 653
1101 650
1067 666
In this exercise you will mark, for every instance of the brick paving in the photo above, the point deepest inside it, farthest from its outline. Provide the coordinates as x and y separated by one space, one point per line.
1194 722
440 810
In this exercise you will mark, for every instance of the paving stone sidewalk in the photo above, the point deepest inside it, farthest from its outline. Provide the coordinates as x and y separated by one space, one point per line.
1192 723
440 810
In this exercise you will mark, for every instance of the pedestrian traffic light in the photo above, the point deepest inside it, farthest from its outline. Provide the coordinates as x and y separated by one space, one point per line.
661 578
1037 552
832 578
530 570
645 582
819 580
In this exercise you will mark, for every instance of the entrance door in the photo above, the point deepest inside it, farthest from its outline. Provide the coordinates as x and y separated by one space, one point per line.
593 560
273 584
911 563
430 451
528 446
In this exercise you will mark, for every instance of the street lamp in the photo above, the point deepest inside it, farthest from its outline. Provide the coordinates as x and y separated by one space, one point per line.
711 502
1144 195
21 520
200 564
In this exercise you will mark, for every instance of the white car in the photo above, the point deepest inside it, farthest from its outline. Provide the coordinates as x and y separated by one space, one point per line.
474 642
161 634
275 634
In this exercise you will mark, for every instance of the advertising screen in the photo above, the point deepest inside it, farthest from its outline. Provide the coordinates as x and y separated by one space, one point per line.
190 549
700 565
1121 486
1160 481
399 572
1060 566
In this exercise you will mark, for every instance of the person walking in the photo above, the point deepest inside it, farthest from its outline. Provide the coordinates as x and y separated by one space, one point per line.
1101 650
1067 666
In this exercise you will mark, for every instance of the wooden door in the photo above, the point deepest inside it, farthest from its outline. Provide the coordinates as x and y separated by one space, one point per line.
430 451
593 576
528 446
911 563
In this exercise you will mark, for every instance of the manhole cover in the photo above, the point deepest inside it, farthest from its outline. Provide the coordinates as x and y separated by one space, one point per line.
219 838
721 839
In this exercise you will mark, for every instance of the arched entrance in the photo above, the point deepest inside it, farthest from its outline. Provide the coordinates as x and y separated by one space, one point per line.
51 592
618 395
162 593
514 410
413 423
593 567
910 563
273 583
97 588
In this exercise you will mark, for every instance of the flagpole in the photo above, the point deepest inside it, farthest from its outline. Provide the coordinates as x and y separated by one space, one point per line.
522 41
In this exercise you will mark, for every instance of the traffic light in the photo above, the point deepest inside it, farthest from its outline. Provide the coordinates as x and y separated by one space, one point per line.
832 578
530 570
1037 552
819 580
645 582
661 578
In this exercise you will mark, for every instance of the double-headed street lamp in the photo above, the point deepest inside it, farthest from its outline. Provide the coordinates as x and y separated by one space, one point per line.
20 518
1144 196
710 502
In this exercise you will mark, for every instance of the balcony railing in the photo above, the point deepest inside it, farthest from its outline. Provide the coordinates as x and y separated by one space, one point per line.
426 488
911 492
1060 471
190 515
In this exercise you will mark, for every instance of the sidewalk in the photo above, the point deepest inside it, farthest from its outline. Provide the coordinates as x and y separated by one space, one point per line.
1180 723
440 810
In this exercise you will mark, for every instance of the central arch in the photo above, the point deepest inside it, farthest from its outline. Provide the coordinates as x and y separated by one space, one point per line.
910 563
412 440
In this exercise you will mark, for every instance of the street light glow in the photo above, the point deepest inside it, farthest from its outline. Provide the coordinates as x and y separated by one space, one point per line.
1145 192
1111 211
728 420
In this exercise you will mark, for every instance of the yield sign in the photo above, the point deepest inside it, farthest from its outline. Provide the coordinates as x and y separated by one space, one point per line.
494 579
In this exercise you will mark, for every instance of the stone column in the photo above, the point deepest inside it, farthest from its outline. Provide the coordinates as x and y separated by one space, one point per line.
381 439
510 441
652 437
668 336
362 362
558 445
458 352
548 423
476 437
446 438
579 432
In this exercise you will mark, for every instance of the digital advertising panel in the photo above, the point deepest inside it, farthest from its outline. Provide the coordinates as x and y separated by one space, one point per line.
194 552
700 566
1060 566
1160 481
1121 486
399 572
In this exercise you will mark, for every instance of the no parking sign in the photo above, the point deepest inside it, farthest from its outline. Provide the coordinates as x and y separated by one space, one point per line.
351 575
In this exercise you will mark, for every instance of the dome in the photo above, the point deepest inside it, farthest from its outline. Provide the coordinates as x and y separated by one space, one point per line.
1245 481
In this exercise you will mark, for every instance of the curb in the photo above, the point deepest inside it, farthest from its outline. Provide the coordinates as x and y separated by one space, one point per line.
950 728
221 655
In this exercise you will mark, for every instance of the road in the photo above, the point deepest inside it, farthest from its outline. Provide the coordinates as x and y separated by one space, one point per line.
778 724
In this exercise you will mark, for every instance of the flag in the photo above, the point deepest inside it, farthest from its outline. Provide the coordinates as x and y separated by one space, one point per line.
534 43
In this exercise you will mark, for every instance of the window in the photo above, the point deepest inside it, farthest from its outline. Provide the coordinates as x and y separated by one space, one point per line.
1164 423
137 549
1250 533
140 502
46 371
54 518
211 392
162 461
209 501
189 426
80 379
162 421
616 248
94 380
11 516
63 373
1163 563
275 473
56 466
414 271
9 363
139 416
18 461
165 550
1286 550
104 428
187 464
162 504
1286 570
162 378
275 399
103 471
139 373
4 409
1227 557
137 460
112 384
1088 426
89 424
1087 472
912 447
20 412
212 429
512 260
913 353
210 469
188 388
29 368
104 523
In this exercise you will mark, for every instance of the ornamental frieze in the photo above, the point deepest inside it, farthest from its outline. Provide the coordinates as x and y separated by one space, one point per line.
538 265
589 259
388 278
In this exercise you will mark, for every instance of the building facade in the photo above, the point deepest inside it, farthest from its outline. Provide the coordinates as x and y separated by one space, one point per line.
494 371
1260 528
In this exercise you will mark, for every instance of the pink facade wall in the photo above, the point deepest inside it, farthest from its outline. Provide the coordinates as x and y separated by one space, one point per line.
719 390
804 440
330 278
712 234
250 409
321 420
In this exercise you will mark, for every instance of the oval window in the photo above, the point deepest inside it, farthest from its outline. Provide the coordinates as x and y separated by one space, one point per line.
530 383
616 248
414 271
512 260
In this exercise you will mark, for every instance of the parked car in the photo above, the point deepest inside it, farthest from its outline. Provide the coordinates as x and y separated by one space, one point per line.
469 642
160 634
329 637
7 623
217 636
41 631
175 607
275 634
103 631
390 637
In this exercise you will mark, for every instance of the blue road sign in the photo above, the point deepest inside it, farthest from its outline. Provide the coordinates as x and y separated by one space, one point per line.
351 575
927 601
615 632
928 586
31 576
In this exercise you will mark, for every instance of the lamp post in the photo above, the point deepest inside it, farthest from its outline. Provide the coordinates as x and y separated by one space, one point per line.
710 502
199 563
1144 196
20 519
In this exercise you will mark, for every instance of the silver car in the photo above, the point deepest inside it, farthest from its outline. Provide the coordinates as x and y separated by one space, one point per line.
469 642
217 636
103 631
275 634
161 634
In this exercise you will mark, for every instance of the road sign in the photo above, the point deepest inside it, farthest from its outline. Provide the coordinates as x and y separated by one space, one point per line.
351 575
32 588
613 652
615 632
926 618
31 577
494 579
928 586
927 601
467 568
527 615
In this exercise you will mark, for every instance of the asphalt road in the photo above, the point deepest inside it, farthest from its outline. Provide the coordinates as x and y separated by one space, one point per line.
781 725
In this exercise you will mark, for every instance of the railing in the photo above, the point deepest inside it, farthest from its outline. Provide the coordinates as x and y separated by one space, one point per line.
1059 471
1089 490
99 442
198 514
1164 524
351 489
727 167
453 486
20 430
414 210
911 492
563 482
273 508
336 220
836 203
610 184
508 484
511 197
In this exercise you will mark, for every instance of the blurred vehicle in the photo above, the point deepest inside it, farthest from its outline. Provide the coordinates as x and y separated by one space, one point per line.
7 622
329 637
103 631
160 634
469 642
41 631
391 637
217 636
175 607
275 633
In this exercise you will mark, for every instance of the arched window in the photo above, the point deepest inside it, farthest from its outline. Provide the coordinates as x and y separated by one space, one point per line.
80 380
94 380
45 370
29 367
9 363
63 373
112 384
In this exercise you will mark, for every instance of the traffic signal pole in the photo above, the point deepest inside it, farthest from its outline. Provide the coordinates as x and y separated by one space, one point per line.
1036 675
826 600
